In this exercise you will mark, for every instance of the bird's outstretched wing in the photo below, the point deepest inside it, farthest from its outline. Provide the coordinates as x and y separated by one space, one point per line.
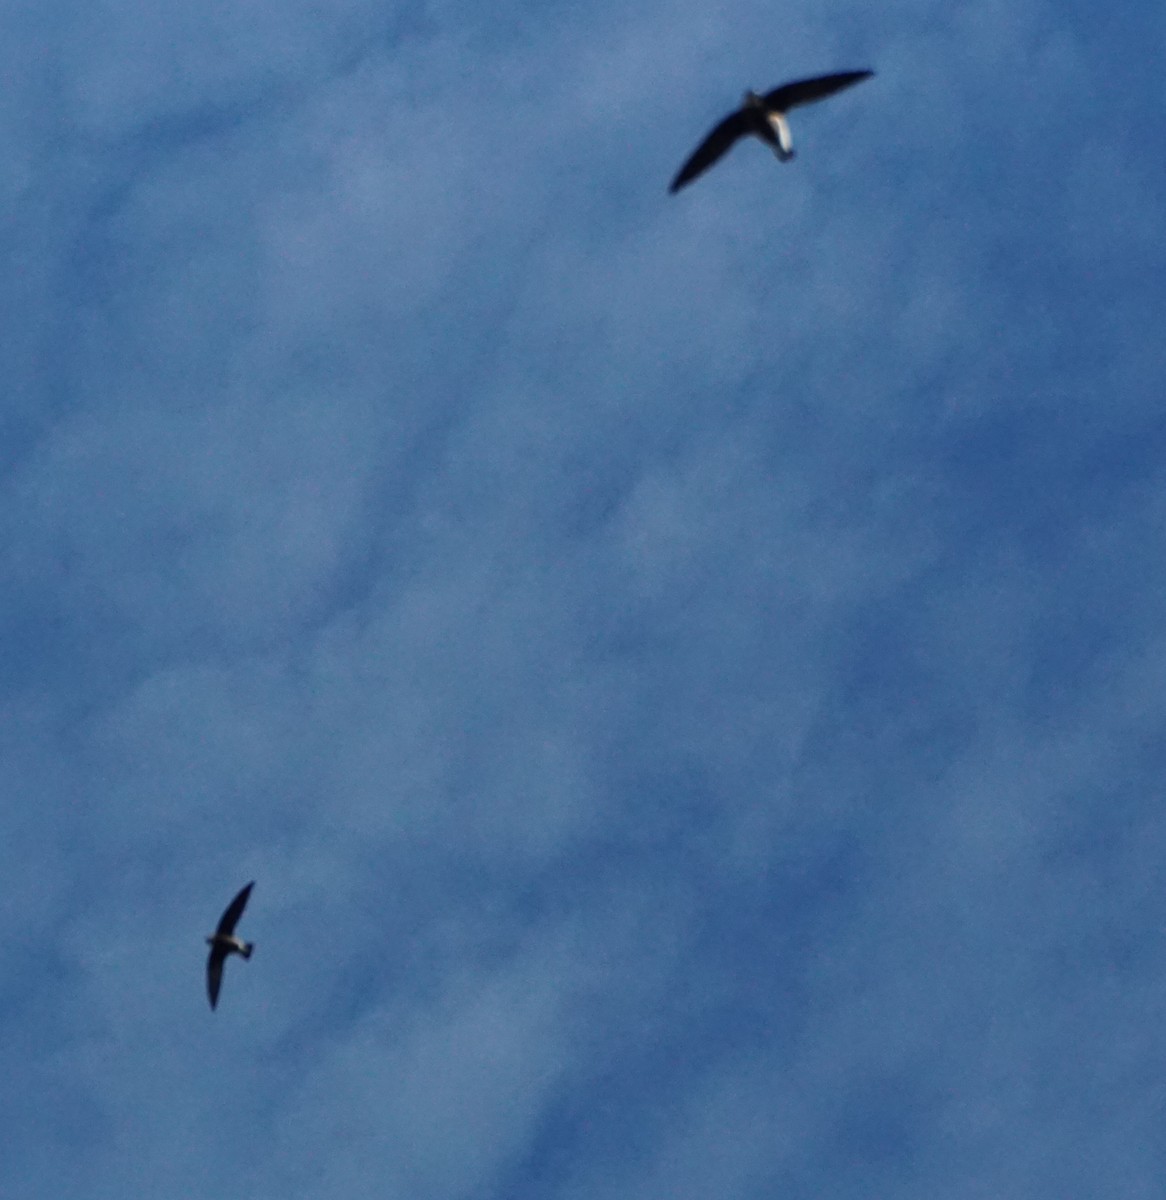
714 145
803 91
234 911
214 973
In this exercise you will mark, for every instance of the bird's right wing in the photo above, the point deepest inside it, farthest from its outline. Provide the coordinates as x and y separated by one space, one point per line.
717 143
235 910
790 95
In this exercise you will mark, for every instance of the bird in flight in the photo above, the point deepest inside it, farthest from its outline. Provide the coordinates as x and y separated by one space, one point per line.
224 942
765 117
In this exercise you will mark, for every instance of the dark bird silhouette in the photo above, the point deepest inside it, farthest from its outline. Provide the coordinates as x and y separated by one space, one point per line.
763 117
224 942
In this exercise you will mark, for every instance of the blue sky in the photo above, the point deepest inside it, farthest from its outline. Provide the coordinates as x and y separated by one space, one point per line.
687 674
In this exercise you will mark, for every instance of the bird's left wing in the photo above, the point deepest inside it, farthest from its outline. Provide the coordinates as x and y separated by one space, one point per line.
214 973
714 145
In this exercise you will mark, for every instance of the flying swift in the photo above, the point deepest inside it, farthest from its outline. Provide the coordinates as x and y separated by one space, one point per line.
763 116
223 942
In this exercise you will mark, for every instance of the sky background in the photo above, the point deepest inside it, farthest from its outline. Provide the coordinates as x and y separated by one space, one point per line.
686 674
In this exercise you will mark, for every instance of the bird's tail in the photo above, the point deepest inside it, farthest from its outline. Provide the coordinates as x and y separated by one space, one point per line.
247 948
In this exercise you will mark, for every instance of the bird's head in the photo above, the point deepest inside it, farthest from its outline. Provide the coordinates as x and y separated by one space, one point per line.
752 99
